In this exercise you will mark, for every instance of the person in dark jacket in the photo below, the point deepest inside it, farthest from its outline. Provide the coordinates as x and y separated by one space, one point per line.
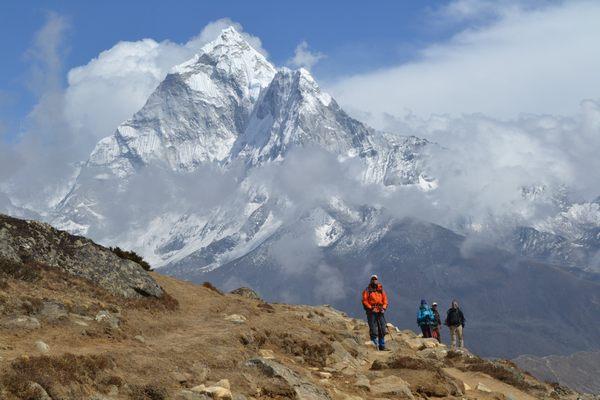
425 319
374 300
455 321
436 329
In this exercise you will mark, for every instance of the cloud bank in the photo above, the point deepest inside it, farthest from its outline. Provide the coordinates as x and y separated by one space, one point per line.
526 60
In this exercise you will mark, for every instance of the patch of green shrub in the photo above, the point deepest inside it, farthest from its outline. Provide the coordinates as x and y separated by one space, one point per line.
131 255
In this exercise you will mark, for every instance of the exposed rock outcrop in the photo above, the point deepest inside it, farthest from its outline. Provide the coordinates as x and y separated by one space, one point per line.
32 242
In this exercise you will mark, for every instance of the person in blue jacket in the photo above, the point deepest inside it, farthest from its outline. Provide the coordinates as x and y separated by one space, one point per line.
425 319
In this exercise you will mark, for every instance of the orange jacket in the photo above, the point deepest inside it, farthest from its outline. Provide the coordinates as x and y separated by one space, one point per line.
375 299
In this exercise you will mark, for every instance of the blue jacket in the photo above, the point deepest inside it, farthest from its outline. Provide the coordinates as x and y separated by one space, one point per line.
425 316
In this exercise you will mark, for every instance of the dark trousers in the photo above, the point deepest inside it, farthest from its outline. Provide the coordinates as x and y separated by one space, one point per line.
376 321
426 329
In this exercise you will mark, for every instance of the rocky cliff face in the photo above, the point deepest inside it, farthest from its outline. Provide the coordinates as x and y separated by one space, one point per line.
31 242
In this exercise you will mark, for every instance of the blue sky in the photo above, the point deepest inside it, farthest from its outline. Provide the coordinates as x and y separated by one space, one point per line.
353 36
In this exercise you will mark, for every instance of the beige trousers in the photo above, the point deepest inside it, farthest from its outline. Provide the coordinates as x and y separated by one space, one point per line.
456 336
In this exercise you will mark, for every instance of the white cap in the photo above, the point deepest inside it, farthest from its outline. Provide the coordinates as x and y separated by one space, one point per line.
434 304
374 276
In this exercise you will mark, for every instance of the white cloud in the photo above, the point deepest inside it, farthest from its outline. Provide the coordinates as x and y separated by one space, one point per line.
111 87
526 61
305 58
67 122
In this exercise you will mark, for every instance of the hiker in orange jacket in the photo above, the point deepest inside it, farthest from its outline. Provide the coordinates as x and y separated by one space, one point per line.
375 303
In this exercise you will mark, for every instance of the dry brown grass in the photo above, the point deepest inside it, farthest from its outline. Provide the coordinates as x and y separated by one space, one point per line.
148 392
53 373
212 287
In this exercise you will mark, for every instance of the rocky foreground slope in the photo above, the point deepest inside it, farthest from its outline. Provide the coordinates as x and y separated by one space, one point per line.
64 336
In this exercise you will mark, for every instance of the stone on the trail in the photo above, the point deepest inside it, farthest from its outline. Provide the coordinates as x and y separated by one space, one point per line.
266 353
362 382
438 353
303 389
324 375
369 343
466 386
42 347
22 322
213 392
482 388
236 318
246 292
414 343
140 338
391 385
430 343
39 393
106 317
340 354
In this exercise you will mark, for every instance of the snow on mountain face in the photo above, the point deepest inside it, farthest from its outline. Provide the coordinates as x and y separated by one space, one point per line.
195 114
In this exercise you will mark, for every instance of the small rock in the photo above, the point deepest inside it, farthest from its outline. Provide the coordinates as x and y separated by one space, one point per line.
236 318
140 338
53 311
39 392
324 375
80 323
266 353
215 392
362 382
106 317
22 322
391 385
466 386
42 347
482 388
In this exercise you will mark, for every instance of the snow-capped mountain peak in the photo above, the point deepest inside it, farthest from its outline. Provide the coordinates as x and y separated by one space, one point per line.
195 115
230 56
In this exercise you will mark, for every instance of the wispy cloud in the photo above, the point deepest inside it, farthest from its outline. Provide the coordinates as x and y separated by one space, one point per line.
526 60
304 57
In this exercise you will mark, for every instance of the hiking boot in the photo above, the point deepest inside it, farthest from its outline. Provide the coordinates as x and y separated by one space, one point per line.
383 348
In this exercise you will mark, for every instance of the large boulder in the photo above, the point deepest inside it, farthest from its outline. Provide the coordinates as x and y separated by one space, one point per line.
31 242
